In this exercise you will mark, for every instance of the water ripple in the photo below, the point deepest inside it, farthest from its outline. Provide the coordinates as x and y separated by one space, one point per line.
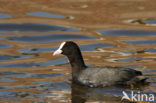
2 16
127 32
32 27
142 42
2 45
48 38
45 14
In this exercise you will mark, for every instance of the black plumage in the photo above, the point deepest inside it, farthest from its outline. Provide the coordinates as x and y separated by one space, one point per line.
97 76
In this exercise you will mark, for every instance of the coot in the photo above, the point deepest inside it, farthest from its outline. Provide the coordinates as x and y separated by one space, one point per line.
96 76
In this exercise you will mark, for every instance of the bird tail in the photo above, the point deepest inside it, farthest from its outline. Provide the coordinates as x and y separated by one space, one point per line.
138 80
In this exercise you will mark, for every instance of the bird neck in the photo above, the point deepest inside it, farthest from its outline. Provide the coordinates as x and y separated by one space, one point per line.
77 64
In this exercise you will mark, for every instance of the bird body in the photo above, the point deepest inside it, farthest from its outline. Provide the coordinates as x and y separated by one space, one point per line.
107 76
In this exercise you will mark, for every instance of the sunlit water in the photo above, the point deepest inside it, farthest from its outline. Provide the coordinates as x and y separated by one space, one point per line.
28 71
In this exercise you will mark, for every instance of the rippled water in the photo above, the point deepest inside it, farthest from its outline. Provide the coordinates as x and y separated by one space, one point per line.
127 32
151 21
5 16
48 38
45 14
2 45
29 72
142 42
32 27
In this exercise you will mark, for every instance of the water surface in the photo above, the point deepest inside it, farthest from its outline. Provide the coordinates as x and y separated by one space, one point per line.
88 47
45 14
29 73
32 27
141 42
10 57
2 45
48 38
2 16
151 21
127 32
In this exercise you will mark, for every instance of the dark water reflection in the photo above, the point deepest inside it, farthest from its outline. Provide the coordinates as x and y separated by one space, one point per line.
93 47
81 94
32 27
151 50
20 95
127 32
10 57
134 59
19 65
35 64
12 74
6 80
49 38
2 45
142 42
132 67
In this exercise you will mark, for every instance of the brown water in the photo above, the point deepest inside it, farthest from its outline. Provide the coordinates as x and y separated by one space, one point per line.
110 33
